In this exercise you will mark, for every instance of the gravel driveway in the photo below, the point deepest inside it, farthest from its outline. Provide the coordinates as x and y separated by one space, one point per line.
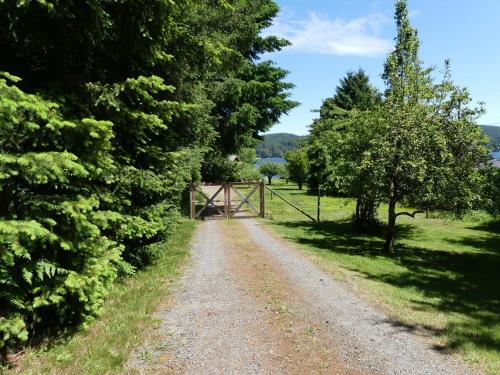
250 303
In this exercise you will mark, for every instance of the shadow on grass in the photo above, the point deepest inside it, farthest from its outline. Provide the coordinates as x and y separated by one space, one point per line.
492 226
466 281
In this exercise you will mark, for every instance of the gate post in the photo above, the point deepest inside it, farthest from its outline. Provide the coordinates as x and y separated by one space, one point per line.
262 200
225 200
192 201
228 201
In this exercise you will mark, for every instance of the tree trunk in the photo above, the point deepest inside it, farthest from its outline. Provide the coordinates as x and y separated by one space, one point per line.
319 204
364 218
269 178
300 185
391 228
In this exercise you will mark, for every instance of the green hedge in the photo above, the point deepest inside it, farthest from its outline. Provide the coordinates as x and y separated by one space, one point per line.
56 266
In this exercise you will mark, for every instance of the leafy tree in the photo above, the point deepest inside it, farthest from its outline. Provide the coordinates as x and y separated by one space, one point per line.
356 92
491 193
132 101
217 167
247 171
172 89
248 96
298 166
284 174
429 146
335 150
247 155
270 170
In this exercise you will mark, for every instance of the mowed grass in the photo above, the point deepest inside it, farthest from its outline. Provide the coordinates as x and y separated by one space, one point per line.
444 278
125 324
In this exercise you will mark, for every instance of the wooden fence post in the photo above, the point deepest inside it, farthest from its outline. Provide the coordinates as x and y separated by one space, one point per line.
319 203
192 201
262 200
226 216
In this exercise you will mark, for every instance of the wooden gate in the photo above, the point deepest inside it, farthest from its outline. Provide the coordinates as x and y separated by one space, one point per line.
227 200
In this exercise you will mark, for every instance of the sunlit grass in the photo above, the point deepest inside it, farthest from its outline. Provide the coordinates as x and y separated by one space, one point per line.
445 276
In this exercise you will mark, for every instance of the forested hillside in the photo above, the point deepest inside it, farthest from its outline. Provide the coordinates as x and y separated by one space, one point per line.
275 145
493 133
108 110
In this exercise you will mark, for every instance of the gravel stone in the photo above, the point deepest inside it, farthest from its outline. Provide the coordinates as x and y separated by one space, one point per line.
213 326
216 326
370 340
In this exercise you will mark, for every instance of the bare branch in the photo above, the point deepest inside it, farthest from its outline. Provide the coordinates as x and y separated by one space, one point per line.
410 214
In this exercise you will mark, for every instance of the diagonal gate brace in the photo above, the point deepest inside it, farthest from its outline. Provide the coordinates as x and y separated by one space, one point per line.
210 202
245 200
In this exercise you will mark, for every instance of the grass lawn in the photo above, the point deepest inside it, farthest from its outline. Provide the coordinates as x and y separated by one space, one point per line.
445 276
126 322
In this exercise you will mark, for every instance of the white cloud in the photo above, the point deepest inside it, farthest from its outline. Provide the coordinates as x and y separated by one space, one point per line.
322 35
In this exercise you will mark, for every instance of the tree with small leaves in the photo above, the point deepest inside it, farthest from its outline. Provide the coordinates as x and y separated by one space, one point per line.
336 145
298 166
428 148
270 170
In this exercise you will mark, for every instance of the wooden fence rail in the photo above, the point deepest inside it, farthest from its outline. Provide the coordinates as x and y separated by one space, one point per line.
290 203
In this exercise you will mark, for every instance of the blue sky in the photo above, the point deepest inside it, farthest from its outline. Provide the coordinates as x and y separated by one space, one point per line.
331 37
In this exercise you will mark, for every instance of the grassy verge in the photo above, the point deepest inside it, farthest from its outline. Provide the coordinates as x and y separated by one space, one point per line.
445 276
126 322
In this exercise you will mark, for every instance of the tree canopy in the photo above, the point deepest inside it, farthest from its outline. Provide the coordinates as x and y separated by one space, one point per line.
117 108
298 166
419 146
335 150
270 170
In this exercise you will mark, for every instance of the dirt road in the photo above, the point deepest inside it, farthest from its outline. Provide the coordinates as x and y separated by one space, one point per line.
250 303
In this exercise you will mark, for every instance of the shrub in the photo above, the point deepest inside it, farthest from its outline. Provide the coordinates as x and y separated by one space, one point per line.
56 266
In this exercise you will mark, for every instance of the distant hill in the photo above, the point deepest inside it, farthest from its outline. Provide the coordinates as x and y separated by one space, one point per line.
275 145
493 133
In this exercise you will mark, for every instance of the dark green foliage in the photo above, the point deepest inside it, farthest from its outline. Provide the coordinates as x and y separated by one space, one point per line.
335 150
151 171
356 92
217 167
275 145
493 133
491 193
133 101
56 266
248 96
